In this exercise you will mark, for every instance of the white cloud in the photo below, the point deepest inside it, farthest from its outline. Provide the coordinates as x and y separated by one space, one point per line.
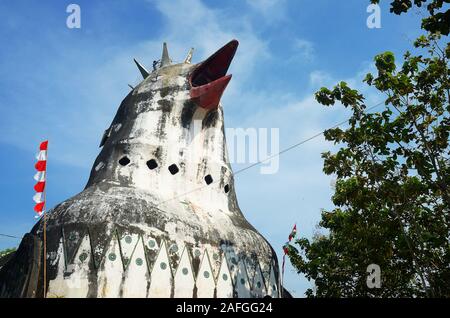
319 78
193 24
271 10
304 49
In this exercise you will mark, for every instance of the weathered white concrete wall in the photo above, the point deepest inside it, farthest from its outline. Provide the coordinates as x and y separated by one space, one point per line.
166 235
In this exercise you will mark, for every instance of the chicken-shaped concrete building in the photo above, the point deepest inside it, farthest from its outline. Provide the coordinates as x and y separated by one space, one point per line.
159 215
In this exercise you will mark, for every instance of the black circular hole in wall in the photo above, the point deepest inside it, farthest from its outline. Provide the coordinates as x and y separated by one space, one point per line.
173 168
208 179
152 164
124 161
226 188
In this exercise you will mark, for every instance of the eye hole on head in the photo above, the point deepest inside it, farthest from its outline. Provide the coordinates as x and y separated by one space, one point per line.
173 168
226 188
208 179
124 161
152 164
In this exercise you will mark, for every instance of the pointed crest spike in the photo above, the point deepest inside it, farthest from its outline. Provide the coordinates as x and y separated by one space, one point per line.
165 59
189 56
142 69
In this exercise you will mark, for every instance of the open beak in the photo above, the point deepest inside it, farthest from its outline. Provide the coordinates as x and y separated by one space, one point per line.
209 80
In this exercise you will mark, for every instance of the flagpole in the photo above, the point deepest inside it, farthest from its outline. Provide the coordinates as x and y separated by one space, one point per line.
282 277
45 250
45 226
286 251
41 201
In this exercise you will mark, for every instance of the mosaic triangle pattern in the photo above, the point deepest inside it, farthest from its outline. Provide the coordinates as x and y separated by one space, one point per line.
139 279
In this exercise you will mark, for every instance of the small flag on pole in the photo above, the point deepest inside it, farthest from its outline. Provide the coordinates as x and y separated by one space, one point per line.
286 250
39 187
291 236
293 232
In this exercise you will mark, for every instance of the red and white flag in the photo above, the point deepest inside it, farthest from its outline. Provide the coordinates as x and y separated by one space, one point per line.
39 187
286 250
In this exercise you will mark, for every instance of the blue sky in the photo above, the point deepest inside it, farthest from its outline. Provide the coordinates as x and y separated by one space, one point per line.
66 84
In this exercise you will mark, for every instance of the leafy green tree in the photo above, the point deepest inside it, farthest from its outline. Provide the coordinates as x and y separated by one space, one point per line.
6 252
392 193
438 19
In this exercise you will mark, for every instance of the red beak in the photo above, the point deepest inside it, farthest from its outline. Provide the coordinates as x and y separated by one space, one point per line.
209 79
